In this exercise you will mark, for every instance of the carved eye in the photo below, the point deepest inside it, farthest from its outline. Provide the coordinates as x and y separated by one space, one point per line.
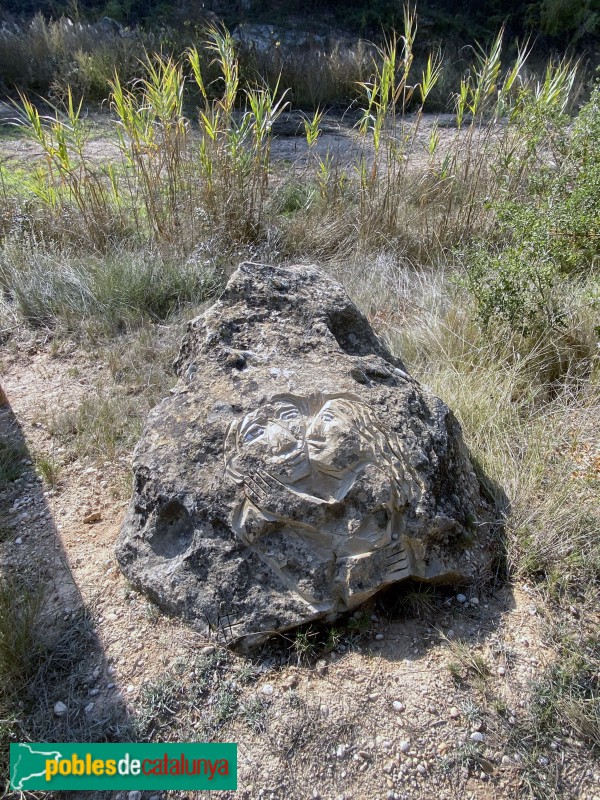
289 414
254 433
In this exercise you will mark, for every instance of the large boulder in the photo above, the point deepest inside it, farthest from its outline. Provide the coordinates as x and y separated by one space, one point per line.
296 468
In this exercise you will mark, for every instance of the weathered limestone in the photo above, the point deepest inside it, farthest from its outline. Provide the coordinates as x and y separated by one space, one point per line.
296 468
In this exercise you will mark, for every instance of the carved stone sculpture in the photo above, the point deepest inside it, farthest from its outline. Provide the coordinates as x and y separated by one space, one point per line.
296 469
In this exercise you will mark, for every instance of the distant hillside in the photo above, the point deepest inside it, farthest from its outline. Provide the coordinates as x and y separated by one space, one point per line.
557 24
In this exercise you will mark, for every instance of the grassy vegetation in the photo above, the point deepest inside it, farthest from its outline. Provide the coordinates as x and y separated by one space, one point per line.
474 251
11 462
41 665
196 699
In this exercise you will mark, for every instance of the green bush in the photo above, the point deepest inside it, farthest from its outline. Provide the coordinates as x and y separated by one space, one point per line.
543 242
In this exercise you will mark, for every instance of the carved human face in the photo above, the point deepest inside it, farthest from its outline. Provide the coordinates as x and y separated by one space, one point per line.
273 439
334 443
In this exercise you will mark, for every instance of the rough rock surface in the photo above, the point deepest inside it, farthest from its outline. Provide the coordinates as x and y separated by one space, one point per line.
296 468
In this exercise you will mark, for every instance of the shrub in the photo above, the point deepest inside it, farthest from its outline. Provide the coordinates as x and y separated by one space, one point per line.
544 240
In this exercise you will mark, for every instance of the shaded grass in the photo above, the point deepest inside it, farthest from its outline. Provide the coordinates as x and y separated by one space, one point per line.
44 659
11 462
19 645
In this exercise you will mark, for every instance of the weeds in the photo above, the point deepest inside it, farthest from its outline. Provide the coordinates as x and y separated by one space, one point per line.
464 660
198 703
254 713
11 462
568 694
19 644
111 294
179 184
305 645
48 468
101 426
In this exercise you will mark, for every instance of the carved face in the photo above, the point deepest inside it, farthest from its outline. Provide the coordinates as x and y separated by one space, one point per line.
314 445
273 439
334 443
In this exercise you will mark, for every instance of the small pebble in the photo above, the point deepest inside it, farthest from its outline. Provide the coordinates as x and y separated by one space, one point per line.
60 709
267 689
474 601
461 598
477 736
501 670
379 637
421 769
454 712
208 650
94 516
136 795
88 708
404 746
506 761
398 706
18 540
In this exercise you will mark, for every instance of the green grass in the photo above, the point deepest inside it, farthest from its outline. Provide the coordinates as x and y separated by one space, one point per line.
101 426
196 698
11 461
49 469
45 658
20 607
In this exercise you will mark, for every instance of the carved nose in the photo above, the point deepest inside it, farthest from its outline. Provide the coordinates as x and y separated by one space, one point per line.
315 435
281 440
